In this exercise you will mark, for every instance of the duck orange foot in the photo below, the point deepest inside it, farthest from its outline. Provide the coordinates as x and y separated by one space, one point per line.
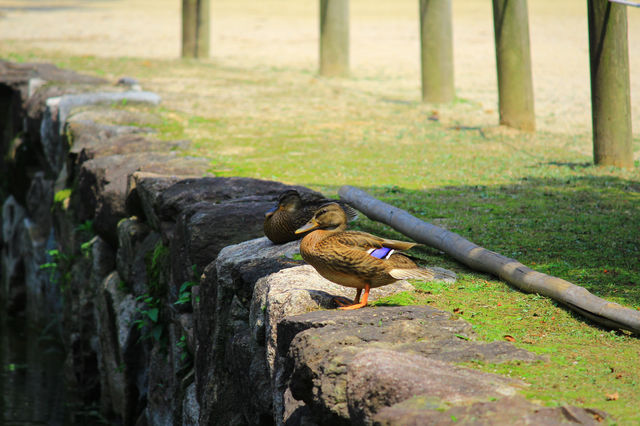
356 302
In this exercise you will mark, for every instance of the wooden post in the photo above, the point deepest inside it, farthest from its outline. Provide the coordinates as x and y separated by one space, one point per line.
202 32
195 28
436 51
189 25
334 38
513 60
610 98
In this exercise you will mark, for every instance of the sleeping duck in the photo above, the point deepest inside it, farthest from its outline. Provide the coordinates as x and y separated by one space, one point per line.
291 212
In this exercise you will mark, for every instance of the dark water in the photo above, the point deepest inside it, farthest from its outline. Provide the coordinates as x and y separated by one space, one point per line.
33 390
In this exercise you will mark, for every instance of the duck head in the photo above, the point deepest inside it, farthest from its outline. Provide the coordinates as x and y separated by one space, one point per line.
329 216
289 200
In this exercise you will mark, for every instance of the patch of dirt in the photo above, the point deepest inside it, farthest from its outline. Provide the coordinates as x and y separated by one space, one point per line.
384 45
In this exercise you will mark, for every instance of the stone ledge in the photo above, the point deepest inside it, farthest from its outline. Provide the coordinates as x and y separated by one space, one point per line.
175 312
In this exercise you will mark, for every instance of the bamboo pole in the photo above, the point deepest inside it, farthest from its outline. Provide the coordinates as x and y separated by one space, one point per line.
513 60
610 93
334 38
574 297
436 51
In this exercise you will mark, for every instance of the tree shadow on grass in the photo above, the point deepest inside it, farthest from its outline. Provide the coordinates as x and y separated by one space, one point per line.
583 229
572 166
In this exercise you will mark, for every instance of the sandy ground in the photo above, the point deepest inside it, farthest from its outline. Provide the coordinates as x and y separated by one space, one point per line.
384 43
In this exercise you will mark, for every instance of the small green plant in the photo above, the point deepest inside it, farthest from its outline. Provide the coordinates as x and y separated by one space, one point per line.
86 228
157 262
123 287
85 248
59 268
184 295
185 356
62 195
182 343
11 367
149 322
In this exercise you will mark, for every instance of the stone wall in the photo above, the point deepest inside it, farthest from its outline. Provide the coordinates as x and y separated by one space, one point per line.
173 307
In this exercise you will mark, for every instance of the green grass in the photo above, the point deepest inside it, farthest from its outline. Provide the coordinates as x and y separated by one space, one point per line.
533 197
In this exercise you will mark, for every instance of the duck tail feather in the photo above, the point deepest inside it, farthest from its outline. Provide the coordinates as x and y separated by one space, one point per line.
398 245
352 214
416 274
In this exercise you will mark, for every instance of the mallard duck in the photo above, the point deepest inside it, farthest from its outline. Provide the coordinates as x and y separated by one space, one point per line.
354 259
292 212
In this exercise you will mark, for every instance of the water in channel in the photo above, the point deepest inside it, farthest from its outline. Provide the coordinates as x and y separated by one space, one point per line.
33 388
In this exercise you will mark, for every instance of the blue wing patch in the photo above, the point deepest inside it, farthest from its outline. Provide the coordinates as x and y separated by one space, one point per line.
381 253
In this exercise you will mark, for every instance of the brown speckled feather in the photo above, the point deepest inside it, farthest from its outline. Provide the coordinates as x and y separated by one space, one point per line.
341 256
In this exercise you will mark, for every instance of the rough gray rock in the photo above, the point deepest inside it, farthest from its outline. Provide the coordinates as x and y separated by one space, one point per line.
68 102
13 92
203 229
64 226
18 74
143 199
102 184
118 335
12 289
297 291
135 241
17 84
315 351
43 296
47 112
30 92
18 163
23 110
119 117
243 295
233 382
379 378
38 203
162 199
89 139
187 192
209 214
512 410
292 292
162 383
82 280
170 376
184 327
27 237
190 407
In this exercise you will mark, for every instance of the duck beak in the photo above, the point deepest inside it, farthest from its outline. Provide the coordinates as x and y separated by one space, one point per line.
270 212
312 224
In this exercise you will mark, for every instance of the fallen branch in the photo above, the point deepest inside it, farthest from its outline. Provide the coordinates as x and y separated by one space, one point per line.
577 298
